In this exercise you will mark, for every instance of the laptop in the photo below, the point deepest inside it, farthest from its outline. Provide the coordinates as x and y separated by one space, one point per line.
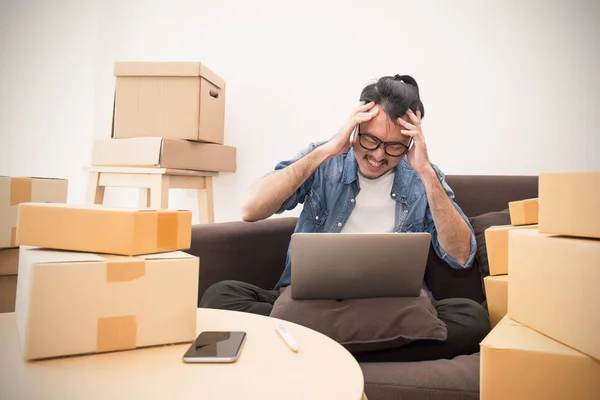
358 265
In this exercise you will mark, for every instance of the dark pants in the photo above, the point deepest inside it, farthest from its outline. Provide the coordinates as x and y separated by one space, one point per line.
466 320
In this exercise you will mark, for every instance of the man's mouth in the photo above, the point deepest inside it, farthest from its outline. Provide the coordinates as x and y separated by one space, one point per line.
375 164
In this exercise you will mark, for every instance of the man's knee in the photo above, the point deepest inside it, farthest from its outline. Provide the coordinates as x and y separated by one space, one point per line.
470 319
480 320
216 294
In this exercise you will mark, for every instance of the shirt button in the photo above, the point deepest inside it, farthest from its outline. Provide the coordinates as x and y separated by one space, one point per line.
339 224
351 200
317 217
393 194
405 211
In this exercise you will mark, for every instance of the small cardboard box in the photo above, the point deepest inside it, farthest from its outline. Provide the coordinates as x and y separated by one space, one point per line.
178 100
518 363
554 287
9 261
16 190
496 243
8 293
164 153
569 204
496 290
71 303
100 229
523 212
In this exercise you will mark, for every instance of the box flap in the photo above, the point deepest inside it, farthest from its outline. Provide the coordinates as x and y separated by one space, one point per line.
100 207
167 256
38 255
34 177
138 151
509 334
146 68
498 278
97 207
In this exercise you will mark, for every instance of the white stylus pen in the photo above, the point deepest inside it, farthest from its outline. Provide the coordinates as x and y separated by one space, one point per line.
287 338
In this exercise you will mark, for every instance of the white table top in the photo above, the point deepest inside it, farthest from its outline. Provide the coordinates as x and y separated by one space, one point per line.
267 368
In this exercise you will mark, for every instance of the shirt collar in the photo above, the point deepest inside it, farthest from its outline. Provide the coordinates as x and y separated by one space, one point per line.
401 170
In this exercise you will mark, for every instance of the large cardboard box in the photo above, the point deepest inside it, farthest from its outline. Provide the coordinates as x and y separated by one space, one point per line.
71 303
179 100
9 261
164 153
569 203
524 212
554 287
16 190
496 290
518 363
8 292
496 243
101 229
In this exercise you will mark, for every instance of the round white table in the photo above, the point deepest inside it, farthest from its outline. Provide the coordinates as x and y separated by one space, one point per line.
267 368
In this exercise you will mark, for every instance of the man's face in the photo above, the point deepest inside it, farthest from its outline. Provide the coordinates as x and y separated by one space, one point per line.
375 163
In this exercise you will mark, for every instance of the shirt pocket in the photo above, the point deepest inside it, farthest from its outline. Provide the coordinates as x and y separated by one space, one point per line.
317 211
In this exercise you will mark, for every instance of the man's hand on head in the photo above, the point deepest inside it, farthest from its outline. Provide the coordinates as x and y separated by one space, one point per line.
417 155
342 141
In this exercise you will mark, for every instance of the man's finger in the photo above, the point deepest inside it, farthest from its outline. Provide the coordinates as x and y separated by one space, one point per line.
412 133
405 124
413 117
364 107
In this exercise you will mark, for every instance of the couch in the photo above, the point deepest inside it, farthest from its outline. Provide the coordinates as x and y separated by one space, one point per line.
255 253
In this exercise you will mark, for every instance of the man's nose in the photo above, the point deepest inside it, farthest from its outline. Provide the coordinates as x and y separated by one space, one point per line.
379 153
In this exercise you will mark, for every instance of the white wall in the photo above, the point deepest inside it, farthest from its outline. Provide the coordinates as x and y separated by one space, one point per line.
509 87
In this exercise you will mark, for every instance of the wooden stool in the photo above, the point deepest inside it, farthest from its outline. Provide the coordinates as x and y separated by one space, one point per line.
156 181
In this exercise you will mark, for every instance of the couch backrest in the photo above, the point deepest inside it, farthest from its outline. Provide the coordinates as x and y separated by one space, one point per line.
476 195
479 194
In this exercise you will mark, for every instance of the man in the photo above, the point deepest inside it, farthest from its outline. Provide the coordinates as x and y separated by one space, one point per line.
374 175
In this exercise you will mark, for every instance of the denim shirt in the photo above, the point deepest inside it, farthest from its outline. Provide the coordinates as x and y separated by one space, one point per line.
328 197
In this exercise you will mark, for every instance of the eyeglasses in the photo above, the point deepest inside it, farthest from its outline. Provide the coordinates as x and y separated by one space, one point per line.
392 149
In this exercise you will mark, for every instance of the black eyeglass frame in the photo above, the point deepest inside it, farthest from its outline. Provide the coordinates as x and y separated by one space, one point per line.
385 144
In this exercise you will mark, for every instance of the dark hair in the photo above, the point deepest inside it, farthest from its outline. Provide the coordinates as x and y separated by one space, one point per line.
396 94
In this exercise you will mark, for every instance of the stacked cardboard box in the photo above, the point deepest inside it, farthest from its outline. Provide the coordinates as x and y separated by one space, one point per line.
522 213
96 279
169 115
548 344
14 191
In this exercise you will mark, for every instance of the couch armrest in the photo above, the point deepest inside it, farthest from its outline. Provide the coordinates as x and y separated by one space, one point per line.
252 252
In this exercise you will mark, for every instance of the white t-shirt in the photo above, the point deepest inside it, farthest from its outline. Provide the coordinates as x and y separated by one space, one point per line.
375 210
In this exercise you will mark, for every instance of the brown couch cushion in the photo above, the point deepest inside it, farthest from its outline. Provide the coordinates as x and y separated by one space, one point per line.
365 324
456 379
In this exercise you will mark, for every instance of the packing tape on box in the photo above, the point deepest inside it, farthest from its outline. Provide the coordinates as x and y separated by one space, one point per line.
116 333
20 190
167 230
123 269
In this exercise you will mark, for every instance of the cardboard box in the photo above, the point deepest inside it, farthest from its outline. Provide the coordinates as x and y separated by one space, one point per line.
16 190
9 261
8 293
554 287
569 204
71 303
496 291
520 363
178 100
496 243
523 212
164 153
100 229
